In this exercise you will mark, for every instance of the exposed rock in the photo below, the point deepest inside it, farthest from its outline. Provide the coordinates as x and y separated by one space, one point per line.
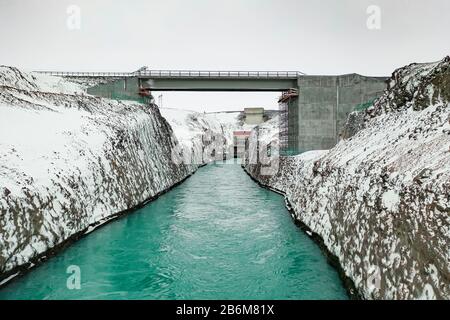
354 123
6 192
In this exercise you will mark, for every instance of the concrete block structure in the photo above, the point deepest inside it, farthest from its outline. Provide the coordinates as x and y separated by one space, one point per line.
312 118
126 88
254 115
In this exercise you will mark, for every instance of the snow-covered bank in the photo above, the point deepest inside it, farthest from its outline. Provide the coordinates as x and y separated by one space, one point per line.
69 161
380 200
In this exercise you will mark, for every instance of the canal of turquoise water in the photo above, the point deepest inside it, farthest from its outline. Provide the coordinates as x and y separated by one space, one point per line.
218 235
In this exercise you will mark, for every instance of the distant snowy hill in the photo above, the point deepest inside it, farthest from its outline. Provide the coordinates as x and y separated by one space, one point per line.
189 126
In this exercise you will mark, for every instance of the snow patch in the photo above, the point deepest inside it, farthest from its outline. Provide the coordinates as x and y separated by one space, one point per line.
391 200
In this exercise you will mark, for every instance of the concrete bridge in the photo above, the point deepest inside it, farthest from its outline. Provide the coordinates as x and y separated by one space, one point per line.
190 80
313 109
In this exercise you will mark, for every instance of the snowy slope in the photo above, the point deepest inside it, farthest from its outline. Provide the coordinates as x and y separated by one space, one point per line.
69 161
194 130
15 78
380 200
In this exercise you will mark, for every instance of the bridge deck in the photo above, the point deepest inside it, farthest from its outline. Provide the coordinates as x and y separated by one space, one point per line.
186 74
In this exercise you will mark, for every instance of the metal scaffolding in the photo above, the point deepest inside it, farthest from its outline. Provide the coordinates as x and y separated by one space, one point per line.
288 134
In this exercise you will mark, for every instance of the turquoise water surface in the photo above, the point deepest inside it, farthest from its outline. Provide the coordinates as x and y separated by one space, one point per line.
216 236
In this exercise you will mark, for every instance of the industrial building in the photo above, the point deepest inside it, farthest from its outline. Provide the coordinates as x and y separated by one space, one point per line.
239 141
254 115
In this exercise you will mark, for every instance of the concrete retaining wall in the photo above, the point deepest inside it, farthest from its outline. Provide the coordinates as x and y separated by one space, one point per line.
121 89
324 104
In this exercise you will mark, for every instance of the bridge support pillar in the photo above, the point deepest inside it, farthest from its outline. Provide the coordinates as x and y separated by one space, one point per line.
323 105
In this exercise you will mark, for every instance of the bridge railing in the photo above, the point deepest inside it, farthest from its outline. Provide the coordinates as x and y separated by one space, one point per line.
86 74
181 74
217 74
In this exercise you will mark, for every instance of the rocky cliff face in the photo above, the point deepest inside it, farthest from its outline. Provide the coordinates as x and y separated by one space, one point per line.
70 161
380 199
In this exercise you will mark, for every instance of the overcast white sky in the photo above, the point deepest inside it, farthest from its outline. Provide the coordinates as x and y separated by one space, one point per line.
313 36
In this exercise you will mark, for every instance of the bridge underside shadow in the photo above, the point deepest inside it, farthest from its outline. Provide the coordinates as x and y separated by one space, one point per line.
220 85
